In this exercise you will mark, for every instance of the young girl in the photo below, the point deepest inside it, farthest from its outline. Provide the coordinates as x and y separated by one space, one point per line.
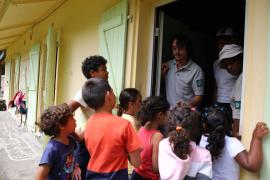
152 115
228 152
179 157
130 102
57 161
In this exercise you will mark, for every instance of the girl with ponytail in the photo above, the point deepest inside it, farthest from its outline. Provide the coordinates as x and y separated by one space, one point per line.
179 156
153 115
228 152
130 103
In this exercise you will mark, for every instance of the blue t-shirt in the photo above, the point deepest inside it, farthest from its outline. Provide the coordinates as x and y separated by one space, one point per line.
60 157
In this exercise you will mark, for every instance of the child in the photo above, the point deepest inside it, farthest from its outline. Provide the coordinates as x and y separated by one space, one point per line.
179 157
109 139
153 114
130 103
57 161
93 66
228 152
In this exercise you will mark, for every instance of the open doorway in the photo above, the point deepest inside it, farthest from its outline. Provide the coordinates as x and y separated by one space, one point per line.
200 20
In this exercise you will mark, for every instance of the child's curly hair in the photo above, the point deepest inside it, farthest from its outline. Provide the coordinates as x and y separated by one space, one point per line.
216 127
188 122
54 117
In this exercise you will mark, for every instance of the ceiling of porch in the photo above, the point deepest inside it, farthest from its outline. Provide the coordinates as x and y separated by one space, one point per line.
17 16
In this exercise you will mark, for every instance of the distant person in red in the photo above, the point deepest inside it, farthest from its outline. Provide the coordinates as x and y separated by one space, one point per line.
11 102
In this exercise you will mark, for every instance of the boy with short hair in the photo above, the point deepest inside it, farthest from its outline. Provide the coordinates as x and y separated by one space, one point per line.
58 161
92 66
109 139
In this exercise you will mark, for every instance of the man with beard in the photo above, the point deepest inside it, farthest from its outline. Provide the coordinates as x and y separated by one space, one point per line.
184 79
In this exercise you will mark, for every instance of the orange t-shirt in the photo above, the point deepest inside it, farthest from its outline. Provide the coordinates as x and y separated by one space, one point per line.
109 139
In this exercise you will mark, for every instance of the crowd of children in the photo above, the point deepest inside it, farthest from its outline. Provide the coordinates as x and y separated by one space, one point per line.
157 140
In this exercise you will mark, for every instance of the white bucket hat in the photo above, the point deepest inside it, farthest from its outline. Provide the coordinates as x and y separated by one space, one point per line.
229 51
225 31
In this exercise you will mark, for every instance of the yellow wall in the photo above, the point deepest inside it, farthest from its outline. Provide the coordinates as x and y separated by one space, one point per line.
77 23
254 86
143 43
255 58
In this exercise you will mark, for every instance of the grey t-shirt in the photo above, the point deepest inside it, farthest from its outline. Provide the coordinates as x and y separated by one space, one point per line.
184 83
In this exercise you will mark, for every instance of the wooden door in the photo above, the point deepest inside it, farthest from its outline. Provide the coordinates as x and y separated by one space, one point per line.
33 86
112 32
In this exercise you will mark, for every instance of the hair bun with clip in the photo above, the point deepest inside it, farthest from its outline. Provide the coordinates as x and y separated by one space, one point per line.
178 128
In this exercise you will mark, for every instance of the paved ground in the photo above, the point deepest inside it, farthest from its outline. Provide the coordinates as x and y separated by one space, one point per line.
20 151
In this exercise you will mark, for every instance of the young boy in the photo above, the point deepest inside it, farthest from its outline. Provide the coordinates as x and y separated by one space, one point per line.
57 161
109 139
93 66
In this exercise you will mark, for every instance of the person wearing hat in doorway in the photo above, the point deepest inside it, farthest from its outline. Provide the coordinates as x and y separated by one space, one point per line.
226 35
224 80
231 59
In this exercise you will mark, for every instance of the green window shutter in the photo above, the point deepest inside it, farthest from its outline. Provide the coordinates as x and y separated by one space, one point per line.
16 73
50 67
112 31
23 76
7 94
33 86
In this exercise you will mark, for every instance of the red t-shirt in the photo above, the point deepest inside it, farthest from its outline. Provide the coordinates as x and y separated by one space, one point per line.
146 167
109 139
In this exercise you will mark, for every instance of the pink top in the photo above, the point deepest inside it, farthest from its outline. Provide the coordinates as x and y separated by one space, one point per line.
146 167
171 167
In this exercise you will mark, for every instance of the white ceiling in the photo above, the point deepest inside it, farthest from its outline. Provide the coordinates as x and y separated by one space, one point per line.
17 16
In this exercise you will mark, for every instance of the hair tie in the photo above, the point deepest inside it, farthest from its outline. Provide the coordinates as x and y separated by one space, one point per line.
193 109
178 128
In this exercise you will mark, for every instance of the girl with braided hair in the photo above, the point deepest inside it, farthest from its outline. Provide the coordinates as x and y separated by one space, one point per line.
228 152
179 156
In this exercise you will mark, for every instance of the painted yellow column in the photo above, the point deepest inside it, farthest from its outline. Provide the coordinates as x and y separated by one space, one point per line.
265 174
254 81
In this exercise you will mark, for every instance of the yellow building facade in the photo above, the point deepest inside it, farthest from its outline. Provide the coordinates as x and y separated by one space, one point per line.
77 30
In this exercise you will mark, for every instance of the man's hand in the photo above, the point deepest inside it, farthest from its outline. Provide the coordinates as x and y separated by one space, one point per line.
164 68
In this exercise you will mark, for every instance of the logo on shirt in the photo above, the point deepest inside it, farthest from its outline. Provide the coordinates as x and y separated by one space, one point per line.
200 83
69 166
237 104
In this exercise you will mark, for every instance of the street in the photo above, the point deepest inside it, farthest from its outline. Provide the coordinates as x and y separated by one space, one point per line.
20 150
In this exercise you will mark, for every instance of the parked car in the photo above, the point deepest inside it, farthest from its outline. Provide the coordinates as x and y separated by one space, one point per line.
3 105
